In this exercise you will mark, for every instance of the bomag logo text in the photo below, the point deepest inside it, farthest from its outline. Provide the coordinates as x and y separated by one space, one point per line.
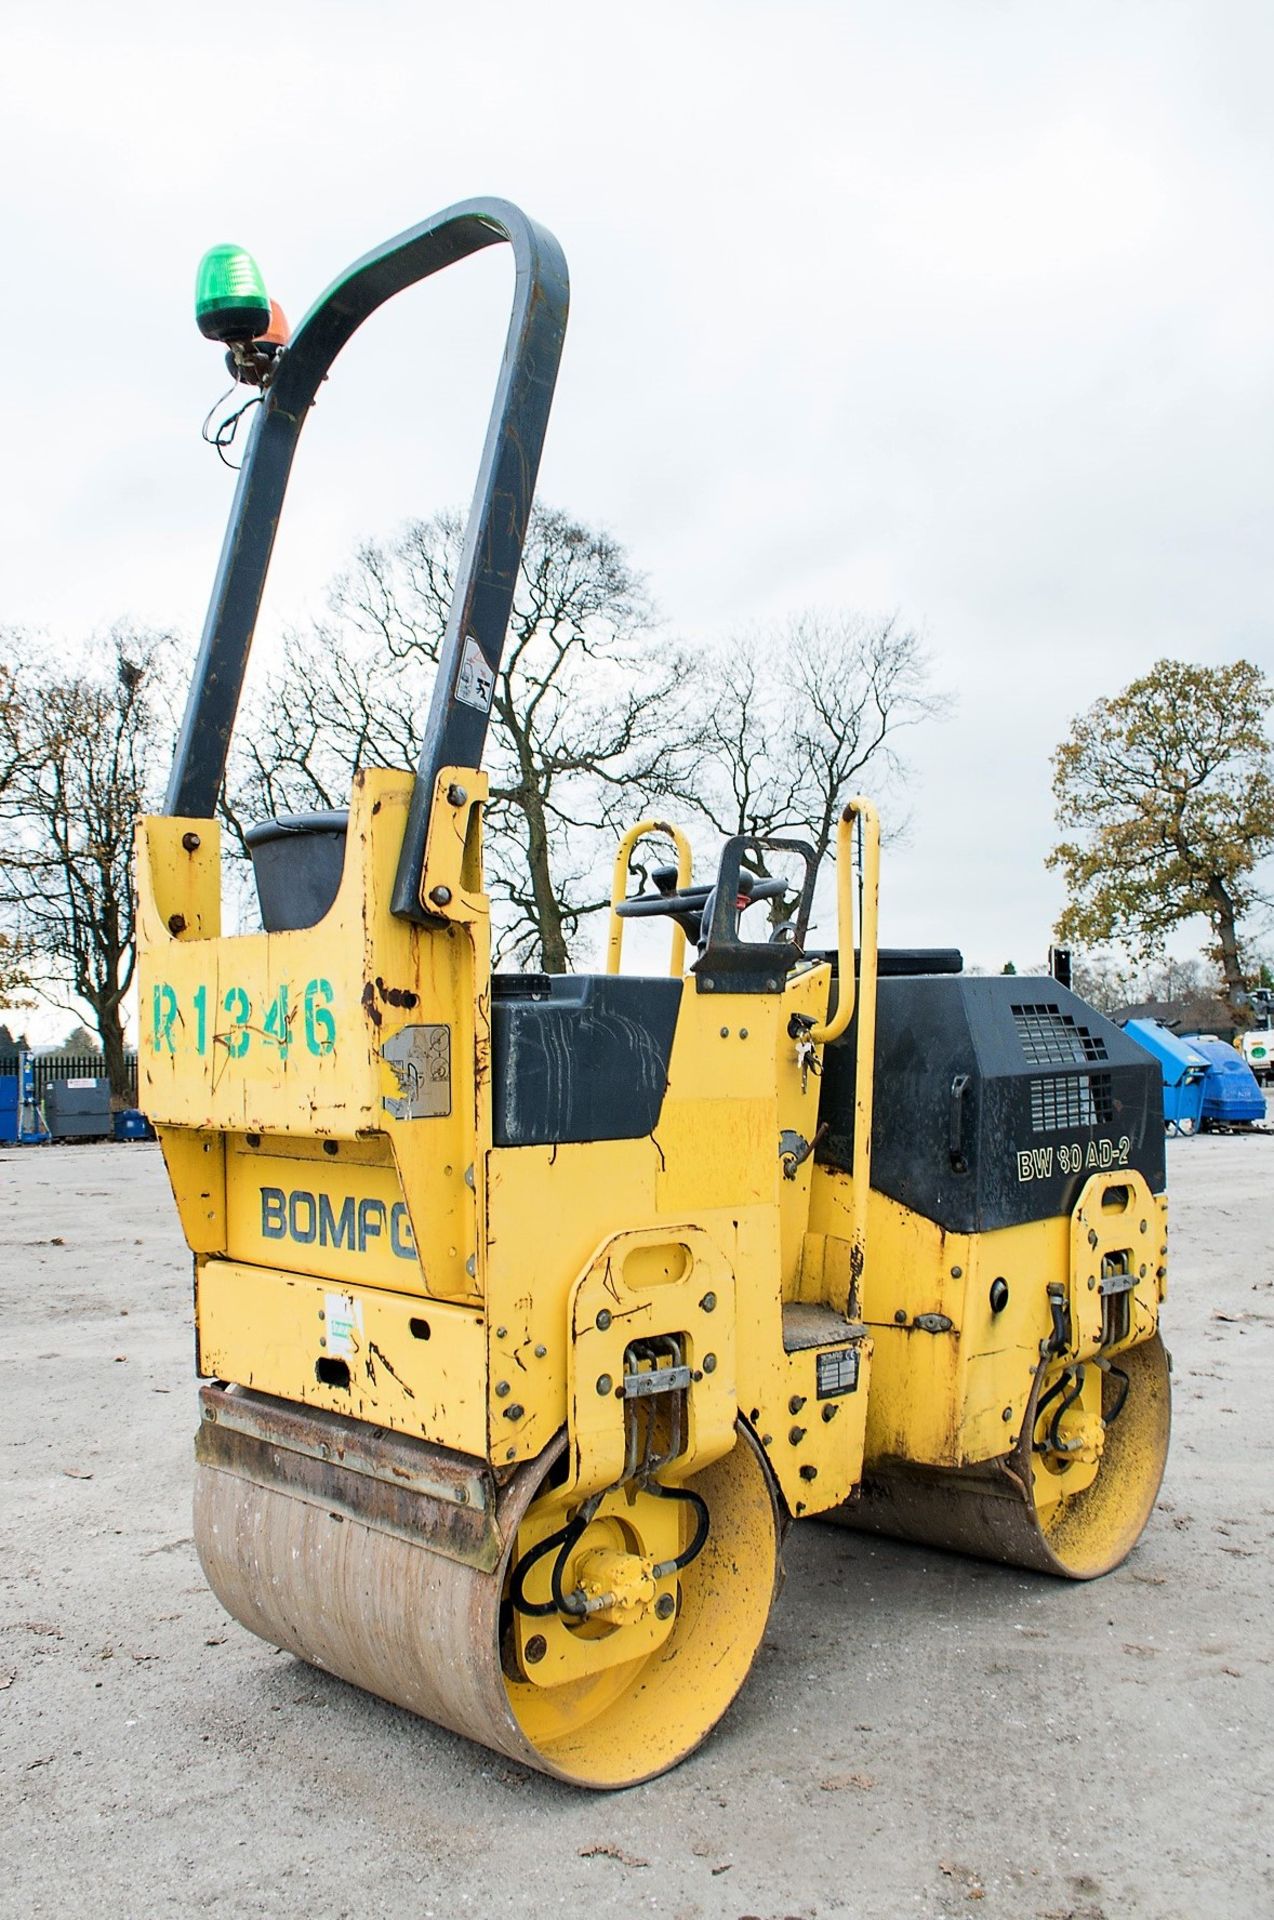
314 1219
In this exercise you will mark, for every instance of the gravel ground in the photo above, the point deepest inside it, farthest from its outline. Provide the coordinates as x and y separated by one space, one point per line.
921 1736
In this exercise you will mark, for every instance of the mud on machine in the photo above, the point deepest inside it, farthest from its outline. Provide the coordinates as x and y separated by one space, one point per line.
533 1310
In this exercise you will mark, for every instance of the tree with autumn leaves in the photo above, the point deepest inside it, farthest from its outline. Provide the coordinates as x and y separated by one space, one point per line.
1166 796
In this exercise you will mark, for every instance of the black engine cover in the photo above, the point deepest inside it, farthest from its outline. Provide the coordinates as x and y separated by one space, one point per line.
1052 1092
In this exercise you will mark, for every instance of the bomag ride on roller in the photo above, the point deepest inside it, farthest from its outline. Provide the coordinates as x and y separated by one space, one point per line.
532 1310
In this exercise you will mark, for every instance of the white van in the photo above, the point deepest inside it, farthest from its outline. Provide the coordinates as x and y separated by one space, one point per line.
1257 1048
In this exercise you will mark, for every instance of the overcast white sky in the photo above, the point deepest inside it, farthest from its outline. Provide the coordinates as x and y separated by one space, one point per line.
961 308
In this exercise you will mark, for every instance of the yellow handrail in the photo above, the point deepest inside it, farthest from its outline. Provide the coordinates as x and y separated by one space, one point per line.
619 889
862 992
857 809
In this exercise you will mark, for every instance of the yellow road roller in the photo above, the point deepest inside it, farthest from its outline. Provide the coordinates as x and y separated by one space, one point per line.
532 1310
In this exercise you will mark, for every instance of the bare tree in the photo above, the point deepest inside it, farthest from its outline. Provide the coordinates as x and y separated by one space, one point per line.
15 975
1184 993
589 718
1105 981
14 958
78 747
795 715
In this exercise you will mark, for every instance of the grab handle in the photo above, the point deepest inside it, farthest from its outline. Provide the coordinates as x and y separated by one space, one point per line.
862 993
855 810
956 1154
619 888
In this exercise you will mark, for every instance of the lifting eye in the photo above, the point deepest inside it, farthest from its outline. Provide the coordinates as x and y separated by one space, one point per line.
999 1295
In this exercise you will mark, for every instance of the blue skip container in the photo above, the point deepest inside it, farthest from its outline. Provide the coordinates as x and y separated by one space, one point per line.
133 1125
10 1110
1184 1069
1231 1097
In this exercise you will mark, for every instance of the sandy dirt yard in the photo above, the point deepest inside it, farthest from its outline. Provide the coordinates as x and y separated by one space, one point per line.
922 1735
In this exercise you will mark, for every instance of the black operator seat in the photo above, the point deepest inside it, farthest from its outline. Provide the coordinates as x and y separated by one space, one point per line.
579 1056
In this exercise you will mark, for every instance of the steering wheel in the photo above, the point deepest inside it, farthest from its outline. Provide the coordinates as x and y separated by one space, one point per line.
690 906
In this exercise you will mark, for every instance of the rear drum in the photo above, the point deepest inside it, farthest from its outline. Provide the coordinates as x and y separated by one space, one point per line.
1018 1509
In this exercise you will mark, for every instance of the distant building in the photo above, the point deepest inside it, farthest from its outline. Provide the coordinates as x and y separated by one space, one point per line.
1192 1013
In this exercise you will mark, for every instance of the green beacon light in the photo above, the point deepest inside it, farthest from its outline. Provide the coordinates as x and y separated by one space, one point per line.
231 303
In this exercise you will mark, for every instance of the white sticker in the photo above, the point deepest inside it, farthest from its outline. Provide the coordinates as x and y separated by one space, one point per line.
475 682
421 1062
344 1324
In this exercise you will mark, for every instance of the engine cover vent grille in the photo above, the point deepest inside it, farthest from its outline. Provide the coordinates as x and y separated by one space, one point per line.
1051 1038
1068 1102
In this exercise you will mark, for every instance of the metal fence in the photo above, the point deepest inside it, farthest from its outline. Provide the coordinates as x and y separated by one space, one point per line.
77 1066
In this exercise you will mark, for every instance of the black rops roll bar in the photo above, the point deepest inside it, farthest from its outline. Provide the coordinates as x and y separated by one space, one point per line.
456 728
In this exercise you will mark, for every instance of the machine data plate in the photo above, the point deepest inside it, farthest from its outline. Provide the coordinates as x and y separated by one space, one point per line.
837 1372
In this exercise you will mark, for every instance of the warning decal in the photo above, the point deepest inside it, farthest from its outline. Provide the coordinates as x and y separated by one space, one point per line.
475 682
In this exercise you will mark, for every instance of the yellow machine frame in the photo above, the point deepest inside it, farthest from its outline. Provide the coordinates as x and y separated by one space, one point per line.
328 1226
